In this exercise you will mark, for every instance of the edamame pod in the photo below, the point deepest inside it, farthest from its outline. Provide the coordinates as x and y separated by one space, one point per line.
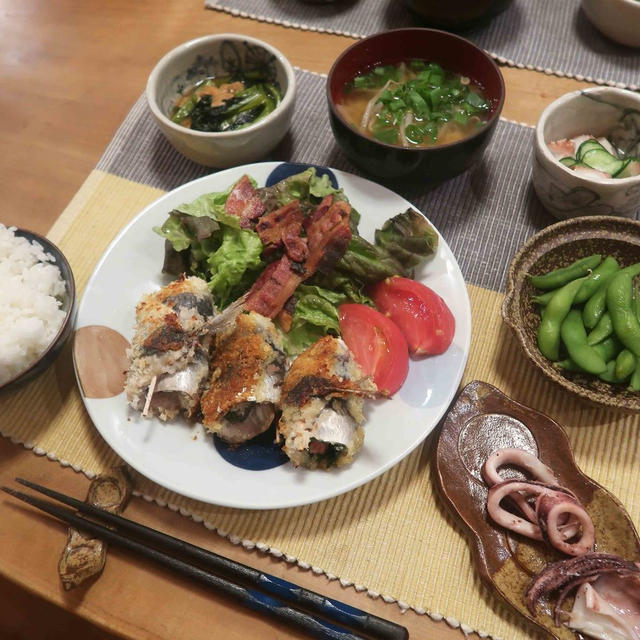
608 266
610 374
602 330
625 364
633 269
569 365
597 303
636 303
625 323
574 337
552 317
560 277
634 383
609 348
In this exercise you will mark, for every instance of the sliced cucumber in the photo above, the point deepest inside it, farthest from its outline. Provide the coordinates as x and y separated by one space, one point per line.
588 145
625 164
602 160
632 168
568 161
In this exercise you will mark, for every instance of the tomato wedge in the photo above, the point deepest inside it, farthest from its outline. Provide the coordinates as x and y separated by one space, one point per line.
422 315
377 344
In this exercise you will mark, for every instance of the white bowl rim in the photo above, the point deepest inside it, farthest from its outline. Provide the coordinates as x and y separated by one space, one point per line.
559 103
152 82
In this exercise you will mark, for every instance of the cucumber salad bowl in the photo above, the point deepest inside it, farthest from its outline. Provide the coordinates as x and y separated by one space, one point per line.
587 154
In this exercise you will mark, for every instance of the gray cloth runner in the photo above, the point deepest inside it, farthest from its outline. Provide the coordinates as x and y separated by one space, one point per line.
545 35
484 214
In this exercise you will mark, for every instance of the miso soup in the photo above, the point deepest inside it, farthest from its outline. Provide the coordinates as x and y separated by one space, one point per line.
414 104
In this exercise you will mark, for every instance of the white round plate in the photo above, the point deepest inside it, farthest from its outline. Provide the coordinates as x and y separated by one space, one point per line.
180 456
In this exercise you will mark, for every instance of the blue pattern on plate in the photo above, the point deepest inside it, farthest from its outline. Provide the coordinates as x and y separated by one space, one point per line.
258 454
287 169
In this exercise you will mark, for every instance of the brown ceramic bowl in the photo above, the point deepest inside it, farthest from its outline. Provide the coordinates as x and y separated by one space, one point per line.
46 358
428 165
557 246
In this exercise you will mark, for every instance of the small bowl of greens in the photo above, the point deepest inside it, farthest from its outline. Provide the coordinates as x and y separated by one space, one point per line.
587 154
223 100
420 104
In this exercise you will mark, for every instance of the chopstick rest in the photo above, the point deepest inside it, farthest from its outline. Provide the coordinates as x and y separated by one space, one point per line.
82 557
263 592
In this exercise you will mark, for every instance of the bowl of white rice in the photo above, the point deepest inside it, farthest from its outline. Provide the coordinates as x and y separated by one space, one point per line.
37 304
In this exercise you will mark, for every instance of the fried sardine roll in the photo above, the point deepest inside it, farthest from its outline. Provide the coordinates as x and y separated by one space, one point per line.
169 354
247 370
322 397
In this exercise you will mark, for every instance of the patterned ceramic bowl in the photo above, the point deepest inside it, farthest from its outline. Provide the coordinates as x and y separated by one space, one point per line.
211 56
600 111
558 246
617 19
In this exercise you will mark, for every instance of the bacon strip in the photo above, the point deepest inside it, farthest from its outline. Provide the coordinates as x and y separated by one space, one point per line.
244 203
273 288
328 235
283 227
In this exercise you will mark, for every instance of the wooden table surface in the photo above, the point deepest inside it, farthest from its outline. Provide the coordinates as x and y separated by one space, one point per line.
69 72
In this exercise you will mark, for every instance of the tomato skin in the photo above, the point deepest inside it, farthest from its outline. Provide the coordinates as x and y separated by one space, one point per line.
377 344
422 315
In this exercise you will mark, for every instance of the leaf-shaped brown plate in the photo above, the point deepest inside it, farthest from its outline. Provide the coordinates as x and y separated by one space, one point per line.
481 420
557 246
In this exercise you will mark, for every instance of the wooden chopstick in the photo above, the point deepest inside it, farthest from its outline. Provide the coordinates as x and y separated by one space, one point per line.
333 610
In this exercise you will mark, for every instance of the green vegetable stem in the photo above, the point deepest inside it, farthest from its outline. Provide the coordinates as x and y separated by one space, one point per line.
543 298
560 277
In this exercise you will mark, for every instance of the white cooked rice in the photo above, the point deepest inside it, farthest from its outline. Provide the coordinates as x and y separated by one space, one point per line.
31 289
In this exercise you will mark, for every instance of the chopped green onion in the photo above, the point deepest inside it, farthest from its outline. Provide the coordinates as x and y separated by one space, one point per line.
414 100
